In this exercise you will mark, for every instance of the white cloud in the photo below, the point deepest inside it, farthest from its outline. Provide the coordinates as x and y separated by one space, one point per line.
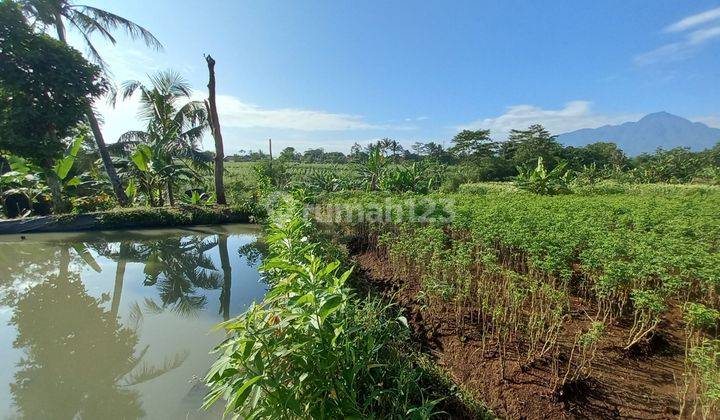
710 120
236 113
250 121
703 35
693 37
575 115
694 20
680 50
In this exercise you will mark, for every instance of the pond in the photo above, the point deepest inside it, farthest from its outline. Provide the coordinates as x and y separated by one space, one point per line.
106 325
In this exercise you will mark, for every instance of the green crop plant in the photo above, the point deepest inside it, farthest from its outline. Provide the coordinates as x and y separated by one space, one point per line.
704 360
509 263
648 307
311 349
582 355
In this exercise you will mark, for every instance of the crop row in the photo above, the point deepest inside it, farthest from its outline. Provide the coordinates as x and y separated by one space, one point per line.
510 262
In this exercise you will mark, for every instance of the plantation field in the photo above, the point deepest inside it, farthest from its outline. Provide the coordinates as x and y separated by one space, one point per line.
600 303
244 172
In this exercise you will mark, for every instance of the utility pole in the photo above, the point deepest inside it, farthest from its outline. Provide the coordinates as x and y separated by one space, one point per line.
270 147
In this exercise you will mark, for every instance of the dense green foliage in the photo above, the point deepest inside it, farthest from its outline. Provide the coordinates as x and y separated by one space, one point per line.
45 88
541 181
613 238
312 349
514 259
167 153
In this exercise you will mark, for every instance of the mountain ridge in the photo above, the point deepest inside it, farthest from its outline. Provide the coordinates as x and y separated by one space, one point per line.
656 130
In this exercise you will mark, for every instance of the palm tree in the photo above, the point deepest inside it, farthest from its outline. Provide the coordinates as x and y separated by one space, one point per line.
178 267
89 20
175 126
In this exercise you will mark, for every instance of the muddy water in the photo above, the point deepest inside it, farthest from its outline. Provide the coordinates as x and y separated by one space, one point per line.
117 325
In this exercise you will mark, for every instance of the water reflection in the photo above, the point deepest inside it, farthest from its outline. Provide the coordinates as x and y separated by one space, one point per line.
78 319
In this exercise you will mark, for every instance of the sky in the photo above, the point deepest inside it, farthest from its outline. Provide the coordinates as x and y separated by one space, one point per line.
330 73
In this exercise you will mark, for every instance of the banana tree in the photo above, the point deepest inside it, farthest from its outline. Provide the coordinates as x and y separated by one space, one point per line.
168 151
372 168
541 181
32 181
151 175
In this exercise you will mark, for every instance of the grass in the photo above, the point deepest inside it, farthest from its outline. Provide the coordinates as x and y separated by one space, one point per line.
141 217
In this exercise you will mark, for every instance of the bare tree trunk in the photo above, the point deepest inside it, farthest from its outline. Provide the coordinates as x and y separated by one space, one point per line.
171 196
217 135
227 276
97 134
53 183
119 279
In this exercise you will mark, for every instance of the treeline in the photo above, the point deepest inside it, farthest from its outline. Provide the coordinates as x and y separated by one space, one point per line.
484 159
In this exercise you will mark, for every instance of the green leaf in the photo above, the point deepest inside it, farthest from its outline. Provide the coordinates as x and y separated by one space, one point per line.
331 305
142 157
65 164
241 394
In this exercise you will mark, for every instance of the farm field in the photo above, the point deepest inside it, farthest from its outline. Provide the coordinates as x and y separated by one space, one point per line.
428 211
593 305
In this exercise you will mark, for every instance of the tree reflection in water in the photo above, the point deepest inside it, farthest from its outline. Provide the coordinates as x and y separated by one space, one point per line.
80 357
79 360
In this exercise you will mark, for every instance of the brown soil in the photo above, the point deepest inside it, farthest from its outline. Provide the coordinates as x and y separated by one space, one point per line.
623 384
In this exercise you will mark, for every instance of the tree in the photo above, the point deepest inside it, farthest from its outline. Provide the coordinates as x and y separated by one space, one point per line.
523 147
45 88
175 126
357 154
89 20
600 154
217 135
288 154
313 155
675 165
334 157
473 145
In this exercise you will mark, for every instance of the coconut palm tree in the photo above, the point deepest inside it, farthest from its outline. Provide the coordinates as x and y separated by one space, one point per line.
169 148
88 20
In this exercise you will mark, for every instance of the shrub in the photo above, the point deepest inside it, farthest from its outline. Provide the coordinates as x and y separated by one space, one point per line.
311 349
540 181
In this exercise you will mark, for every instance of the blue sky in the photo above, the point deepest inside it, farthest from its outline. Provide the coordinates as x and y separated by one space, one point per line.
328 73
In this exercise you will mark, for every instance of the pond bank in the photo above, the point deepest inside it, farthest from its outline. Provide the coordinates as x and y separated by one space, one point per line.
130 218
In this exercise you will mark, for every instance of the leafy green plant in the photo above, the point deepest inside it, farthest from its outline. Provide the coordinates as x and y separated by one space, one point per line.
699 317
196 199
541 181
373 167
272 175
648 305
416 177
311 349
705 365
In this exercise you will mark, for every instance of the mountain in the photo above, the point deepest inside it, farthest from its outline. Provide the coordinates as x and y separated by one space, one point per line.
660 129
